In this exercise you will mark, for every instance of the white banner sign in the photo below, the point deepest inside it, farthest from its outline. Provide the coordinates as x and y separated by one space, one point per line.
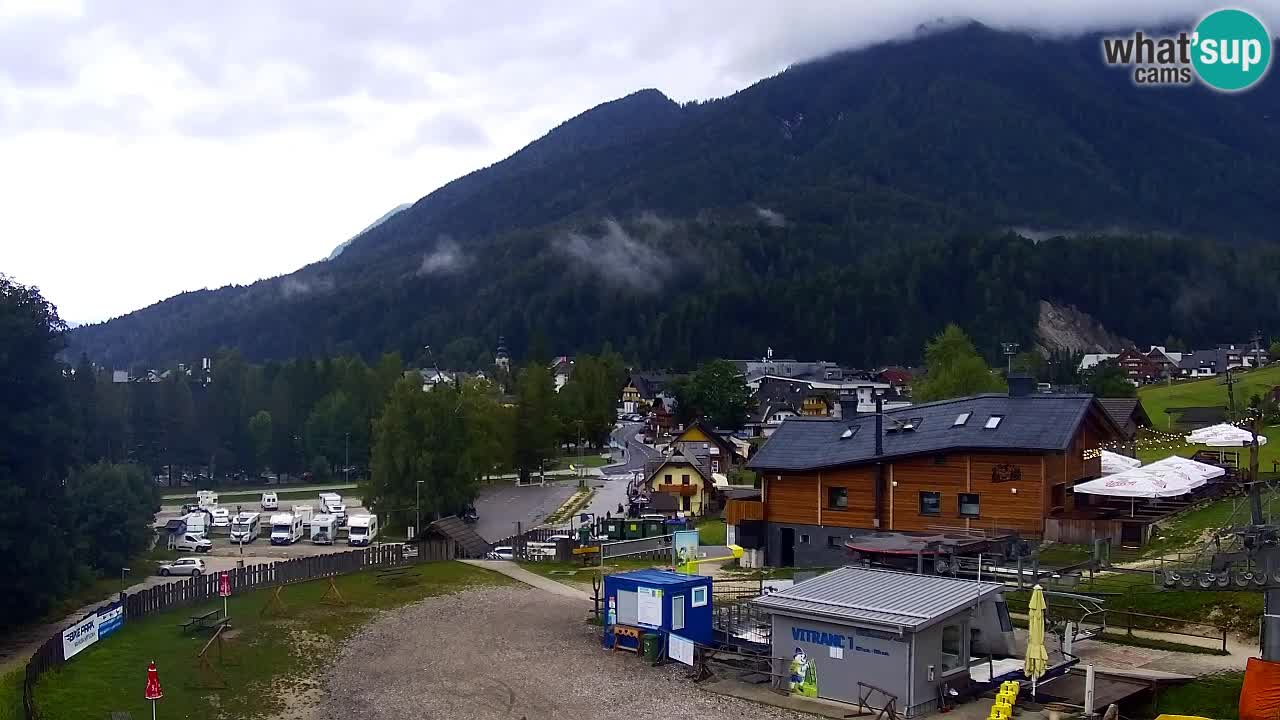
680 649
79 636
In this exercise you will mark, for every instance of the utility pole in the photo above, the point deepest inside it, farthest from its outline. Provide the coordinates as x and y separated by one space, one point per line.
417 505
1257 338
1231 394
347 467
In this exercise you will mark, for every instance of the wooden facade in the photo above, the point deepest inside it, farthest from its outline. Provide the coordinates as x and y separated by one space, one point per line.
969 491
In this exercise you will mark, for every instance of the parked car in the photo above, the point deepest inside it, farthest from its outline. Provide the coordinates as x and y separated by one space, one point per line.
193 542
502 552
469 514
192 566
270 501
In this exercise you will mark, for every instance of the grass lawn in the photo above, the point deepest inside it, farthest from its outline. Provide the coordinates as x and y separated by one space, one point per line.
1213 696
108 587
1210 392
11 693
266 659
252 500
588 459
1238 611
711 531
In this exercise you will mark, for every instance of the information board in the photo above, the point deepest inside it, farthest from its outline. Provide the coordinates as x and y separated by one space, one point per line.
680 649
649 607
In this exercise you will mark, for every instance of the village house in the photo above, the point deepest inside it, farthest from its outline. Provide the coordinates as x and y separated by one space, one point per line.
990 463
704 447
679 477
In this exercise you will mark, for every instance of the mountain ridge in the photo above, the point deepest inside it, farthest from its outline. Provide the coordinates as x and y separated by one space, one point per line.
863 167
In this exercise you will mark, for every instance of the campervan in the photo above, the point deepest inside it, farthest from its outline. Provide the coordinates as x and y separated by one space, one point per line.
324 529
303 511
286 529
362 529
331 503
270 501
197 522
206 498
245 527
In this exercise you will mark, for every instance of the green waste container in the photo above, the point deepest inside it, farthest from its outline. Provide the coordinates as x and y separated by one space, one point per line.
652 646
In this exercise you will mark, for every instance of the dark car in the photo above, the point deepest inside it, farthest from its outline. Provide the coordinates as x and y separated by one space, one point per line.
469 514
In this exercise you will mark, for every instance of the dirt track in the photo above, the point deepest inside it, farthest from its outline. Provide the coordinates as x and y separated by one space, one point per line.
508 652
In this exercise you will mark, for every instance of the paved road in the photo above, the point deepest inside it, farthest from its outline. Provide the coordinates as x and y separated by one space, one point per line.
503 504
611 489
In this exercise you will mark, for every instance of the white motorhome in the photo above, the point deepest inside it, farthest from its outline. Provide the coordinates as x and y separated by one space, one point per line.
303 511
331 503
324 529
362 529
270 501
206 498
286 529
245 527
197 522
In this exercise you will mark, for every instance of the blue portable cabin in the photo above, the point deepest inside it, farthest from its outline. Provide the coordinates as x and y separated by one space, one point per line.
633 599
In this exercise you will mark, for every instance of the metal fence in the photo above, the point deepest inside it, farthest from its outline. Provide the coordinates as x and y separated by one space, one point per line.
195 590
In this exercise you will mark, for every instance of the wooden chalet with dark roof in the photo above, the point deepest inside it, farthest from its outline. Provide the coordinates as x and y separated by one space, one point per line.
988 463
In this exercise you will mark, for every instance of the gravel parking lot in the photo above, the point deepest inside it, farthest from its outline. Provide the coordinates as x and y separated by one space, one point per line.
507 652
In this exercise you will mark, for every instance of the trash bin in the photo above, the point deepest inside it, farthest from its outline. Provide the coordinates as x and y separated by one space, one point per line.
652 646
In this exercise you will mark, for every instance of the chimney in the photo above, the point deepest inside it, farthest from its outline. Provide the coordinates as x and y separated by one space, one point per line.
1021 385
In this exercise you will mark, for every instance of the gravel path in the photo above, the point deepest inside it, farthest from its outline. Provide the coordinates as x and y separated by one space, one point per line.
507 652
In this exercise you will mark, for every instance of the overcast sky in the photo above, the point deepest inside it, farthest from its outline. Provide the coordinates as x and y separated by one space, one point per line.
151 147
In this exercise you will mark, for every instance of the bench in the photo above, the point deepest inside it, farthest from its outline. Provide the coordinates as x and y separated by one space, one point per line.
211 620
621 631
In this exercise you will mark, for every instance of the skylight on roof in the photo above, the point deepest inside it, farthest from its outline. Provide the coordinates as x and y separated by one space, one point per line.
961 419
849 432
993 422
912 423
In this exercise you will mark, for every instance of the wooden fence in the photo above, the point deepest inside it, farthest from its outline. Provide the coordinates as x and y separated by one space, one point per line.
196 590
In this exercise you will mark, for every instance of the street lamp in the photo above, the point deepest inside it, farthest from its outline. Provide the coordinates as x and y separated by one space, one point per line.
417 512
123 571
347 467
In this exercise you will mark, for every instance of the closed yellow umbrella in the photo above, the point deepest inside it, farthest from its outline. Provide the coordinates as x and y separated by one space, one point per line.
1037 658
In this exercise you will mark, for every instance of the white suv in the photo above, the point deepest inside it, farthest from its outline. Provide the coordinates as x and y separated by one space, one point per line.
270 501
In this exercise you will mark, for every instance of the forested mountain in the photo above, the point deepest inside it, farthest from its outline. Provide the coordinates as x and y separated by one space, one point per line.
847 208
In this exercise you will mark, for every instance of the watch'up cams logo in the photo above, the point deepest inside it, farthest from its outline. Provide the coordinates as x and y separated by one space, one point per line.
1229 50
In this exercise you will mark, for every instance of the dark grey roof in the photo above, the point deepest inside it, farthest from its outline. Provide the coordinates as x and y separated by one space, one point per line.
1125 411
1029 423
458 531
879 597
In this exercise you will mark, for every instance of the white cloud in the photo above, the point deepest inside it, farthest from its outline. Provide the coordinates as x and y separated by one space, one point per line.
149 148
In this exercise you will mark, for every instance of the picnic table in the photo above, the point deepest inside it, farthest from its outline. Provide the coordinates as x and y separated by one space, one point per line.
211 620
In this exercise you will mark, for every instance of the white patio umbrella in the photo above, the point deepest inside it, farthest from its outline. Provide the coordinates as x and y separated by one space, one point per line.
1223 435
1186 466
1113 463
1143 483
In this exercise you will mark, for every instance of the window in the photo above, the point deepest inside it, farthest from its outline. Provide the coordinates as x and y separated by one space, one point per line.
837 498
993 422
698 597
969 505
939 459
686 503
930 503
1058 497
677 612
1002 612
835 542
952 652
668 479
715 466
684 479
961 419
804 539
